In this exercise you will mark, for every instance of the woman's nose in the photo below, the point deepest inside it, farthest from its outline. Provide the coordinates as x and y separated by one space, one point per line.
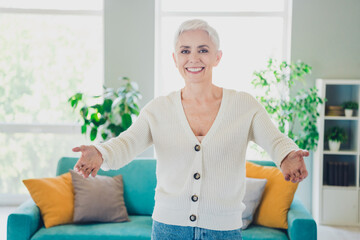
194 57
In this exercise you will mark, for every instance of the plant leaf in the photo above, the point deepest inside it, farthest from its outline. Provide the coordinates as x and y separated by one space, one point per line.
116 102
84 111
99 108
126 120
83 129
95 119
107 105
93 134
104 136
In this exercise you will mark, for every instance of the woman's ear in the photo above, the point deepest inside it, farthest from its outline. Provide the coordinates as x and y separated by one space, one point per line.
218 57
174 57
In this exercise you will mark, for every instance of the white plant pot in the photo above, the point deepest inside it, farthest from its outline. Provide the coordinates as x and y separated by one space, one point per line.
348 112
334 146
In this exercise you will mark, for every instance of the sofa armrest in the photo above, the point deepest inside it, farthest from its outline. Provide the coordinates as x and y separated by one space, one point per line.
301 224
24 221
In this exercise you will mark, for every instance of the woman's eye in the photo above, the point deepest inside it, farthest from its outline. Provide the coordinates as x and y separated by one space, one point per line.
203 51
185 51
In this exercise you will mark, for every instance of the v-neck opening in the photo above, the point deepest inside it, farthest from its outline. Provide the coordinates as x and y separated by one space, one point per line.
215 123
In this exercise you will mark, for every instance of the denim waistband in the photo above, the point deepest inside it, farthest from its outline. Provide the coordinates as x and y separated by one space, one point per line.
162 231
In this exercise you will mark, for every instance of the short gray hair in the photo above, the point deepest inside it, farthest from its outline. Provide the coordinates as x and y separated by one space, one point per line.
198 24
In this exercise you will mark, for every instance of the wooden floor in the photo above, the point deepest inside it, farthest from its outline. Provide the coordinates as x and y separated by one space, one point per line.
338 233
324 232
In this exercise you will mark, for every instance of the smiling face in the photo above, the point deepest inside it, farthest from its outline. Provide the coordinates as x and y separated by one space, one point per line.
195 56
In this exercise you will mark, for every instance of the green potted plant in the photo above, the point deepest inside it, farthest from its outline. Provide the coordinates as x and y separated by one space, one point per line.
296 115
114 112
335 135
349 107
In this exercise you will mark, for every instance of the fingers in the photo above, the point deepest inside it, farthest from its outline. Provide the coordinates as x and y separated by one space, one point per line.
304 153
293 177
94 172
79 149
304 174
89 162
297 176
300 154
79 165
287 177
86 169
87 172
83 171
76 149
293 166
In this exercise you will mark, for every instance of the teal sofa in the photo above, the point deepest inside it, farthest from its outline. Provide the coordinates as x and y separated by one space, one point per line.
139 189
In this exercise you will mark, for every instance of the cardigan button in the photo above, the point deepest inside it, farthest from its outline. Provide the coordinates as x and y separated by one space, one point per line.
193 218
197 147
194 198
197 176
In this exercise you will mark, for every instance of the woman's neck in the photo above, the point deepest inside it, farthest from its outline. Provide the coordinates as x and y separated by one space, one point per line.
201 93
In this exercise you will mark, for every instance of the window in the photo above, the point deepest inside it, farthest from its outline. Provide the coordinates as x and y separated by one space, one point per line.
49 50
250 31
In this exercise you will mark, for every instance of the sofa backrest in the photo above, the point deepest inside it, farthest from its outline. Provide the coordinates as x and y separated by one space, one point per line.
139 182
263 163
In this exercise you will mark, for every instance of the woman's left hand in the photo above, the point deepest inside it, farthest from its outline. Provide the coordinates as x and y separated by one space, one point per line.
293 166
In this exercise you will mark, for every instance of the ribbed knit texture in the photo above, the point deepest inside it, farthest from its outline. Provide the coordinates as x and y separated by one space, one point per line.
220 160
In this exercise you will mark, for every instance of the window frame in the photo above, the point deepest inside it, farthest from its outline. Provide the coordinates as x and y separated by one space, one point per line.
8 199
47 128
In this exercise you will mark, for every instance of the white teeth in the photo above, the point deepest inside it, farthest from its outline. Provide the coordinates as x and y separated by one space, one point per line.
194 69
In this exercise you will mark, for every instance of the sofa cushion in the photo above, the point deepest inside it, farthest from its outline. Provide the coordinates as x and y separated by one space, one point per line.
98 199
139 188
54 197
256 232
277 197
139 228
254 191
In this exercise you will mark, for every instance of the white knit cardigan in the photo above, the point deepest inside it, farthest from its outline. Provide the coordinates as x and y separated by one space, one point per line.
218 161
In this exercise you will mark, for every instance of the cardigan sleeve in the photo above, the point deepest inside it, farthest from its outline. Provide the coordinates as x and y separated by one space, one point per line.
264 133
119 151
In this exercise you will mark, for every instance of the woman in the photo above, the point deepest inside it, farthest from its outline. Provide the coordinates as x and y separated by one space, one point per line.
200 134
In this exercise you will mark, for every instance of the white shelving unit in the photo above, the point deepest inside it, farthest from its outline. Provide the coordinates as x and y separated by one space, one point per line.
337 202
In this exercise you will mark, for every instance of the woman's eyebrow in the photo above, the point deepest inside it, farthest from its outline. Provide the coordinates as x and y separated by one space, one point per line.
201 46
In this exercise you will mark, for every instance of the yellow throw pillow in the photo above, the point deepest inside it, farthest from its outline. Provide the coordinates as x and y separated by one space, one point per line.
277 197
54 197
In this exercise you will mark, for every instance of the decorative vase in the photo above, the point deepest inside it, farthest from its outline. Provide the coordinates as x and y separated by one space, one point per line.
348 112
334 145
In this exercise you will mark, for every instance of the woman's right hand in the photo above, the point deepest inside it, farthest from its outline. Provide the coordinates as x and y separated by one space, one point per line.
89 161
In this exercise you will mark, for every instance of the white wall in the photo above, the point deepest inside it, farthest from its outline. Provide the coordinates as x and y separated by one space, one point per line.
129 46
326 35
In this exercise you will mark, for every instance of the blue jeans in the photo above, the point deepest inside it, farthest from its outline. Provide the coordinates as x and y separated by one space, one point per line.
161 231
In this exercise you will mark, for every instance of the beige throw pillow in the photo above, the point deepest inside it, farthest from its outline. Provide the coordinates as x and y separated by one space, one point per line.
98 199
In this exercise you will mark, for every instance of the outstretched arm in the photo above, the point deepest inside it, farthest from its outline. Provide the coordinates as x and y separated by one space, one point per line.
283 151
118 151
